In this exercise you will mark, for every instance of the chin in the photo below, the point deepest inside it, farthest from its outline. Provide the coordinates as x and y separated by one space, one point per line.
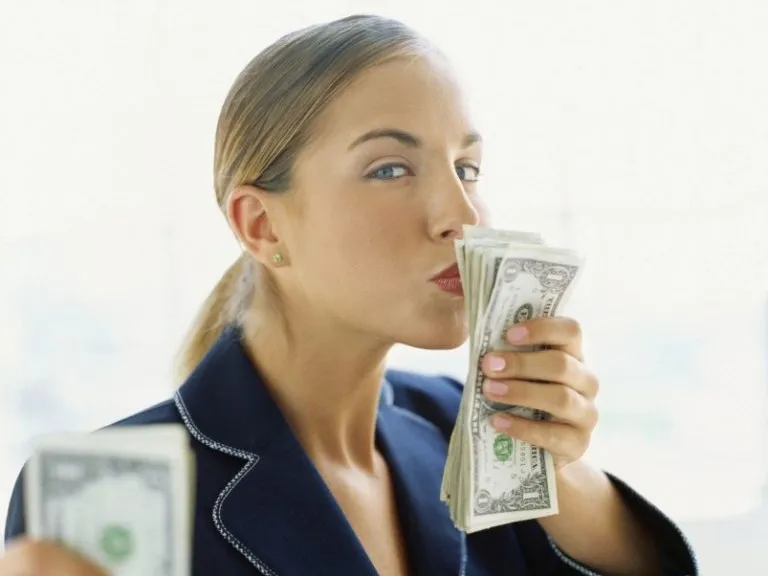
442 344
438 337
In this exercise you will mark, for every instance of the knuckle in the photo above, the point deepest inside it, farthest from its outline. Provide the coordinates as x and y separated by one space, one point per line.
586 440
552 439
531 433
573 444
574 328
565 400
595 418
595 385
561 364
538 434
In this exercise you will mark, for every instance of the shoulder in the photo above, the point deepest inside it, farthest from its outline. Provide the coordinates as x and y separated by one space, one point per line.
162 413
434 398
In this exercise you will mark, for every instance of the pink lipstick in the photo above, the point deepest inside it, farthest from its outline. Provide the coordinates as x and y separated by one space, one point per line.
449 280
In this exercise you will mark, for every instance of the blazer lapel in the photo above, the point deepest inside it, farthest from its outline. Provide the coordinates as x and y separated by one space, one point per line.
416 451
277 511
283 514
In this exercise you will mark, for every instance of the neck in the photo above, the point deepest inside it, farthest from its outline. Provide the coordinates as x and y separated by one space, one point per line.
327 384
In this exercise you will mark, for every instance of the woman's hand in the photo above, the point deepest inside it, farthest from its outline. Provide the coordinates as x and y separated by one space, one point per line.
554 380
26 557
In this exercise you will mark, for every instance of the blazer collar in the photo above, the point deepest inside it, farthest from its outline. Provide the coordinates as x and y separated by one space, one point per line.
277 511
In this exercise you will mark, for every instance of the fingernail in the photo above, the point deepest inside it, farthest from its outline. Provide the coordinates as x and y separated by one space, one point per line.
494 363
517 334
501 422
495 388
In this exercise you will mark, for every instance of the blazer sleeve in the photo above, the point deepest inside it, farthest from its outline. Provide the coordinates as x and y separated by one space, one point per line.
15 525
546 557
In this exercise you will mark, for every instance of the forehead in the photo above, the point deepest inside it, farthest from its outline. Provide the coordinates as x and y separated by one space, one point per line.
421 95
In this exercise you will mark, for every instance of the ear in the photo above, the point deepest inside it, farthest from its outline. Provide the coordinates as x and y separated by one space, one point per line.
246 211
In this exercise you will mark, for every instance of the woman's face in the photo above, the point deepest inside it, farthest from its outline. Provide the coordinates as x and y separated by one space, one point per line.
379 196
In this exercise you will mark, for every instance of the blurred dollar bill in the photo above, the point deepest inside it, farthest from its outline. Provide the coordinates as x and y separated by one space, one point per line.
122 497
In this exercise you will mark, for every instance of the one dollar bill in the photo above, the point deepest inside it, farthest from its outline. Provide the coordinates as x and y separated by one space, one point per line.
122 497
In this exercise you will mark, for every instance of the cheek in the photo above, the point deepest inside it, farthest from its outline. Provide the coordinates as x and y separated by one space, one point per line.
362 244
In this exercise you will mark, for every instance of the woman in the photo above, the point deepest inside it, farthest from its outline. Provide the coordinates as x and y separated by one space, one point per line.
346 164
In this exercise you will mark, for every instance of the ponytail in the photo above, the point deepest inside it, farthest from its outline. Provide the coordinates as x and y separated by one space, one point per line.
220 309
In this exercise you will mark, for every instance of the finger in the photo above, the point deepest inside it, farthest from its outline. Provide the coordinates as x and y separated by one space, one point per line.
541 366
554 332
562 402
559 439
25 556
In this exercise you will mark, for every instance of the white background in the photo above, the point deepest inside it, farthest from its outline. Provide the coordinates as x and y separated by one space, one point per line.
636 132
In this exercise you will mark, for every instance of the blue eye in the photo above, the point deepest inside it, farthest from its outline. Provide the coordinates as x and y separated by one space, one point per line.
468 173
389 172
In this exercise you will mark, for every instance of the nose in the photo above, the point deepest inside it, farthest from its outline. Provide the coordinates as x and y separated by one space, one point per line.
452 207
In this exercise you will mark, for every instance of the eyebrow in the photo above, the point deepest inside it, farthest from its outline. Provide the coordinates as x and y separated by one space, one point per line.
471 138
407 139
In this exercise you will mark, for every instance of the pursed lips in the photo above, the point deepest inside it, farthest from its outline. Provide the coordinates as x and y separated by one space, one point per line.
449 280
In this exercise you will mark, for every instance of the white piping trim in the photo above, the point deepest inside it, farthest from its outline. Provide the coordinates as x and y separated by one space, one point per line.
252 460
586 571
570 562
463 561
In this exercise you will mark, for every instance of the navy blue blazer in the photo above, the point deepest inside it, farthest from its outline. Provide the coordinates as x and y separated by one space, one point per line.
262 507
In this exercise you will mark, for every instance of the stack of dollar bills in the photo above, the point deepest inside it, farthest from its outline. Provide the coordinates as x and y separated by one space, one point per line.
508 277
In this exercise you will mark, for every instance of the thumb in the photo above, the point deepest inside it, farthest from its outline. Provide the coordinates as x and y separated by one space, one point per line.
26 556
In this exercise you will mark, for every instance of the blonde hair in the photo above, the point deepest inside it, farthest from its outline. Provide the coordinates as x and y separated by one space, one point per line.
265 121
